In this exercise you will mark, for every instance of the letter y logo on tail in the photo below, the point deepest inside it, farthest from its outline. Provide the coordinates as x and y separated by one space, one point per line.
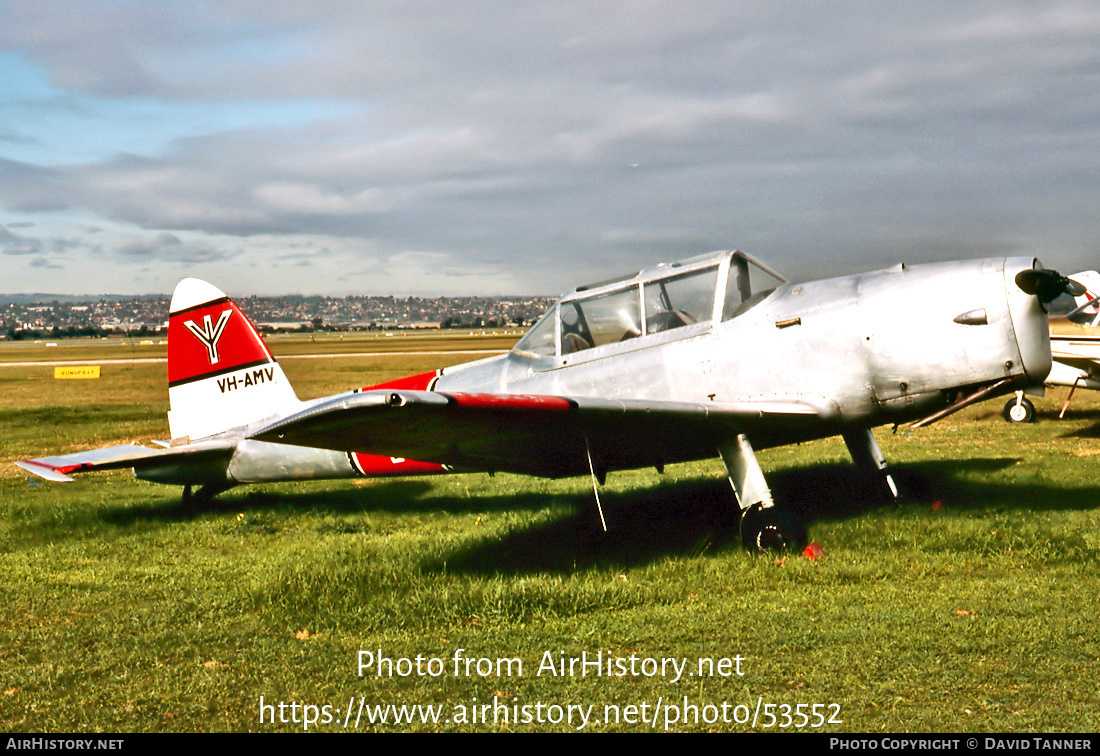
210 333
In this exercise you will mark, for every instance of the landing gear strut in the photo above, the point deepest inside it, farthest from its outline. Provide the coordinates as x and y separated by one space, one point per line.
869 458
203 497
764 527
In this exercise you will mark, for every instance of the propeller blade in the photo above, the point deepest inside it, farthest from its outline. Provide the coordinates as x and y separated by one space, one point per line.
1048 285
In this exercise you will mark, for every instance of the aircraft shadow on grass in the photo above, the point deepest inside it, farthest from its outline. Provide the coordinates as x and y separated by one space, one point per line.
405 496
1091 431
682 518
691 518
694 517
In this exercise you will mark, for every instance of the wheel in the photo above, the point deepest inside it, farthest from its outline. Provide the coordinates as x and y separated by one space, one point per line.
772 529
1019 412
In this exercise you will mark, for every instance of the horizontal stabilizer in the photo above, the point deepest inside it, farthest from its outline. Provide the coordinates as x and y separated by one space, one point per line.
120 458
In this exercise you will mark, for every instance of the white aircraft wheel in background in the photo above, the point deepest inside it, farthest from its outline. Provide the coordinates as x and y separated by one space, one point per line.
1022 412
770 529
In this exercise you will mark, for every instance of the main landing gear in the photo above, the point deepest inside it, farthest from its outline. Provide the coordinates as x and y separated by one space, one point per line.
768 528
765 528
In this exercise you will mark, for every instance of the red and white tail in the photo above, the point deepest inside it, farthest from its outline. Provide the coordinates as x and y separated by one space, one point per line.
220 373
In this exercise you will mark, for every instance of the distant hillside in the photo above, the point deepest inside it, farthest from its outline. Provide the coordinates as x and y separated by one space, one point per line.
24 299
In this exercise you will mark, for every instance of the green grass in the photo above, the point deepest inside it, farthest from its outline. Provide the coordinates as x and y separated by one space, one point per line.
126 613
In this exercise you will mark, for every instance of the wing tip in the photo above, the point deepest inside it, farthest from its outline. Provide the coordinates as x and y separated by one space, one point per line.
43 471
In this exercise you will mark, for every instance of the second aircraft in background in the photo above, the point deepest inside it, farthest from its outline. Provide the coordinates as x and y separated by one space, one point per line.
1074 346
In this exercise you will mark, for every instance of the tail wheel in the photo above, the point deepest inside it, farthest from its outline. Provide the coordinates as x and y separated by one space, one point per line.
772 529
1022 411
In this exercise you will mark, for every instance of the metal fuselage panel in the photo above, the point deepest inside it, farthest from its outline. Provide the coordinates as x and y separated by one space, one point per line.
257 462
879 347
1062 374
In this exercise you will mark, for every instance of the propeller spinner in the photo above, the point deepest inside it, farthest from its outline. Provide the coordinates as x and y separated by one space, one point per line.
1048 285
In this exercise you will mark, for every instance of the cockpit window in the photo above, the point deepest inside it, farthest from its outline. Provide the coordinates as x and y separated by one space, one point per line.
680 300
540 339
598 320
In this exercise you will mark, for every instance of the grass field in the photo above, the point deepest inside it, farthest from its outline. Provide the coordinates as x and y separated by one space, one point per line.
972 607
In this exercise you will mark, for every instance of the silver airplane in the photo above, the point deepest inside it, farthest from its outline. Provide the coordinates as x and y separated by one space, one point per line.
717 355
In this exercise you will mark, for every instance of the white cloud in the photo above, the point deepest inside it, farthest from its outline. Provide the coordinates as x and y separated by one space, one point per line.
307 199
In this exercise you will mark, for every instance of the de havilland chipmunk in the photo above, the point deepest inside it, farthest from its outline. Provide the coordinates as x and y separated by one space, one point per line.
713 356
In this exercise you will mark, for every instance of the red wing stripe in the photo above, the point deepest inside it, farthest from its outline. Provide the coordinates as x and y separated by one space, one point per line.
375 466
55 468
63 469
512 401
419 382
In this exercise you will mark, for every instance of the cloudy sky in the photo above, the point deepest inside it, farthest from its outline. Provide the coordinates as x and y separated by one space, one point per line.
427 147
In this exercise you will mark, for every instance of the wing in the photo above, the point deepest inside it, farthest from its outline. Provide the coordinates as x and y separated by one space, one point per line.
549 436
123 457
1084 364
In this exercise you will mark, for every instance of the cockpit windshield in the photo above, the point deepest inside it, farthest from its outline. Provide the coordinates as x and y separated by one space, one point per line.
747 285
541 339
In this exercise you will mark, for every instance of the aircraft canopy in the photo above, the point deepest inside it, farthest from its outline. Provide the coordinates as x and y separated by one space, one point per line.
700 290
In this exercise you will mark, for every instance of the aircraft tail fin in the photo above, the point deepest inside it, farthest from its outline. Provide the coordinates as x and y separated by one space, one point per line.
221 374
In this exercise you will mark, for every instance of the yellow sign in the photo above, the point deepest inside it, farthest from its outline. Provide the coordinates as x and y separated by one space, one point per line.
82 371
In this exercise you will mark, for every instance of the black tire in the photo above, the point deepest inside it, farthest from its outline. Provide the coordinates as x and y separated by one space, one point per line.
1024 413
766 530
